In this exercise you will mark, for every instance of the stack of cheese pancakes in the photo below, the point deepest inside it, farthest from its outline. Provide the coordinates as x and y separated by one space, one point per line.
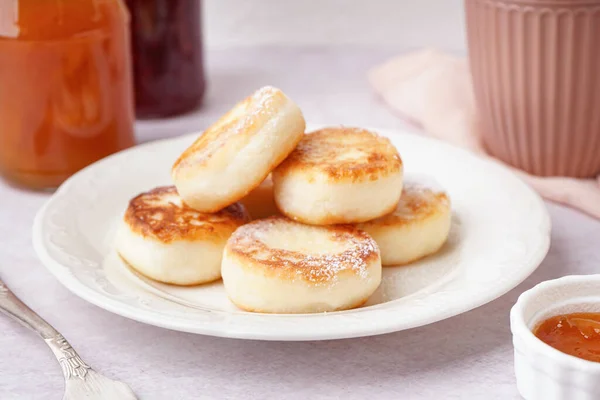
330 208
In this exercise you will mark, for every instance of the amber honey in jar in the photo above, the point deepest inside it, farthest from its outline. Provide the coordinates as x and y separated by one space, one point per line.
66 96
167 56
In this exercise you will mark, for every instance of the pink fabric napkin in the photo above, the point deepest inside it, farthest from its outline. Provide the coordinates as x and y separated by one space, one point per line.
433 89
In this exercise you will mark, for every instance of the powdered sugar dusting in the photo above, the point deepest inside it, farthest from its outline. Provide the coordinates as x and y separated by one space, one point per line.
424 182
244 119
320 268
264 102
327 268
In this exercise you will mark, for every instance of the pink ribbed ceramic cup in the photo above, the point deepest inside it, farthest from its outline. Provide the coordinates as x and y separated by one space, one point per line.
536 75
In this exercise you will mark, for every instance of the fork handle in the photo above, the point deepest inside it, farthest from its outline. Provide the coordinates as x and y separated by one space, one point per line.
72 365
17 310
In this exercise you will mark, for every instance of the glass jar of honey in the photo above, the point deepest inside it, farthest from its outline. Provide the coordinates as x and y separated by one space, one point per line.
66 92
167 56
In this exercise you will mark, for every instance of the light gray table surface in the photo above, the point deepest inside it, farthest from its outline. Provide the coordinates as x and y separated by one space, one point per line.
465 357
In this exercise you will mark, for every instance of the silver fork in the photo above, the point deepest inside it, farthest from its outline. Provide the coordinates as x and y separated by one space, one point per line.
81 381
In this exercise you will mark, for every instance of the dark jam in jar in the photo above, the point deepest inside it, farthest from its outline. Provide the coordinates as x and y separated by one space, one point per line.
167 54
576 334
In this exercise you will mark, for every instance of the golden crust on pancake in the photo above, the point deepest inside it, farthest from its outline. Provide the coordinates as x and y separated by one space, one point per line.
359 249
162 215
343 154
417 203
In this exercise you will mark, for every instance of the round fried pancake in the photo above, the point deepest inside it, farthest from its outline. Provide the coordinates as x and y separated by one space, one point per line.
236 154
260 202
166 240
419 225
276 265
339 175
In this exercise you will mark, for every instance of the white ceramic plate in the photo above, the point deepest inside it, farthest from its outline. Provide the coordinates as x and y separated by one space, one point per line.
500 234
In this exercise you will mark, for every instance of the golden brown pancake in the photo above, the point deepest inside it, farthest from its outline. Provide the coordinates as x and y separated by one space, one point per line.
339 175
236 154
418 227
281 266
166 240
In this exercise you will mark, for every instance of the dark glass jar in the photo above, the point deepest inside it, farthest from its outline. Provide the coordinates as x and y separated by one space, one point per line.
168 67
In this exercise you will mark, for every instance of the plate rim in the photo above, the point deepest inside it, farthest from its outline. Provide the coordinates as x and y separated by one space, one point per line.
123 309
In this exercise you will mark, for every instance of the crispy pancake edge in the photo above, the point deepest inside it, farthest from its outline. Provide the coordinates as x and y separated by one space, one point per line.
175 224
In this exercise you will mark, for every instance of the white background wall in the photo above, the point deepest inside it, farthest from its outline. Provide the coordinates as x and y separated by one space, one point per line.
413 23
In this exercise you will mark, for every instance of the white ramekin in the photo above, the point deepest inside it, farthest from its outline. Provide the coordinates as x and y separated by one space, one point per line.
543 372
